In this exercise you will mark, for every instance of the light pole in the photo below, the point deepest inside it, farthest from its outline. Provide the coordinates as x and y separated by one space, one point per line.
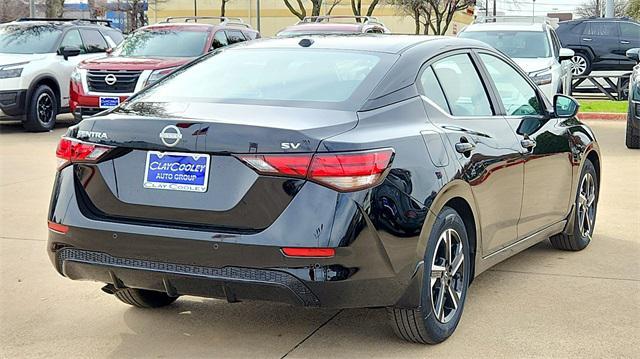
195 7
32 8
258 14
533 14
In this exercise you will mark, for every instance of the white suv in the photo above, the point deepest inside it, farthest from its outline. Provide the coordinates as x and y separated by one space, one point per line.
37 57
532 43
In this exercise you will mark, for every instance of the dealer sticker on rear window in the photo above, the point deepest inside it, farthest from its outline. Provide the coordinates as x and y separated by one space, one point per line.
177 171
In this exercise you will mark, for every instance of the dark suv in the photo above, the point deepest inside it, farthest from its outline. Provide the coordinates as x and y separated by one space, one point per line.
600 43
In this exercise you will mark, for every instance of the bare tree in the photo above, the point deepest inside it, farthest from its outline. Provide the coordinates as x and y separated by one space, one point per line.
223 7
595 8
299 10
434 16
13 9
356 7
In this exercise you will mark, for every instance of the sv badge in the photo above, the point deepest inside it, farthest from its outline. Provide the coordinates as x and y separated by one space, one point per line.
290 145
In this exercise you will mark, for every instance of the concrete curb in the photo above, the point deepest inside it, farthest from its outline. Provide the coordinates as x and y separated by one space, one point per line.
602 116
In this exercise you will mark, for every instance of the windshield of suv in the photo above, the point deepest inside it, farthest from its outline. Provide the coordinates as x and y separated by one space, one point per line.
275 76
163 43
515 44
28 39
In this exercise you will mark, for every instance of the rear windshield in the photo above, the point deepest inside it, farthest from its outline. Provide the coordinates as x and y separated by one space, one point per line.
28 39
163 43
515 44
275 76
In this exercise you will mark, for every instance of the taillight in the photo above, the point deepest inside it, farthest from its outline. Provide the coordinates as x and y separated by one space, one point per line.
308 252
71 151
345 171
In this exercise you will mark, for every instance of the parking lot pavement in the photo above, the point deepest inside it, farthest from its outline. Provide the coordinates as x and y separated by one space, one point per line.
542 302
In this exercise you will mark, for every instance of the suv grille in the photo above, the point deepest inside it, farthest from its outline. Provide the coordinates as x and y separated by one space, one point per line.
125 81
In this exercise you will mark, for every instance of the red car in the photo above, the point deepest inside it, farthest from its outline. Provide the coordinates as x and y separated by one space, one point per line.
330 24
147 55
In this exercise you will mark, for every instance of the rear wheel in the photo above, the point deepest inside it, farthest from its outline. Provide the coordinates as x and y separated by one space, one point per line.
444 289
42 110
584 213
143 298
580 64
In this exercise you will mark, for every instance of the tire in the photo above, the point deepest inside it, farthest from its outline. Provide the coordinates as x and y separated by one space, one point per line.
426 324
143 298
633 131
580 64
42 110
586 205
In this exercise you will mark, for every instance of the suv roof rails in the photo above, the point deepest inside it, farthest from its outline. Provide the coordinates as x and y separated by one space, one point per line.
95 21
224 20
518 19
328 18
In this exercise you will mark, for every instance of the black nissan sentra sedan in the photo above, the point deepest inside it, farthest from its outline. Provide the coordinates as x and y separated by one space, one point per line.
325 171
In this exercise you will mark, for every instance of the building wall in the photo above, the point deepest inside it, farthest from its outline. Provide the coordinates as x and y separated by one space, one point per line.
274 15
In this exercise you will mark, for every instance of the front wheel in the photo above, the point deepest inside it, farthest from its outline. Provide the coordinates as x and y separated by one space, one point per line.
42 110
444 289
584 217
632 139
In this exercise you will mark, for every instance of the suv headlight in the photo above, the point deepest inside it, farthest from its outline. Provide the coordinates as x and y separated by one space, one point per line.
12 71
542 77
159 74
76 76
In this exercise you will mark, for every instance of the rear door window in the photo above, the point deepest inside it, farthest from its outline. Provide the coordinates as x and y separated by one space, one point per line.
93 41
601 28
432 90
113 36
462 86
235 36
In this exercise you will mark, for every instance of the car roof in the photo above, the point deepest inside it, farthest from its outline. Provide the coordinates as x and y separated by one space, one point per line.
58 24
505 26
363 42
191 26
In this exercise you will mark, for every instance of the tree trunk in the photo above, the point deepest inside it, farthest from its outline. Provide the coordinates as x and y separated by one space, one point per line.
54 8
223 7
416 18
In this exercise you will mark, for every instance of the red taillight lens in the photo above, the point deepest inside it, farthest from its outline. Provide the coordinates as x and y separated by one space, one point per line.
308 252
286 165
350 171
57 227
347 171
70 151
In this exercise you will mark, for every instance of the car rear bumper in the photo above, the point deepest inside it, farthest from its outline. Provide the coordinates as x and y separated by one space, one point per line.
369 268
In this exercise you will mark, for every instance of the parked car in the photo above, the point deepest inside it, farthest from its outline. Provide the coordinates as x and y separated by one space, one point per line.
633 115
533 46
600 43
391 175
147 55
37 56
335 24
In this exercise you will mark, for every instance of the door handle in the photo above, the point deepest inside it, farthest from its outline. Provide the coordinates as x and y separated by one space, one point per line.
624 42
528 143
465 147
586 39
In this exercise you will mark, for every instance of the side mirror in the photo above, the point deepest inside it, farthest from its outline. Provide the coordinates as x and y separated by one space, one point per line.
68 51
565 106
566 54
634 54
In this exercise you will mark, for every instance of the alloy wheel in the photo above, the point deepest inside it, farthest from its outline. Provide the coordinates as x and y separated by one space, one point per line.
447 276
578 65
586 205
44 108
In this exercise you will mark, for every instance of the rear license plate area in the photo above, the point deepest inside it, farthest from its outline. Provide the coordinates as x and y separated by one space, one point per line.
176 171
